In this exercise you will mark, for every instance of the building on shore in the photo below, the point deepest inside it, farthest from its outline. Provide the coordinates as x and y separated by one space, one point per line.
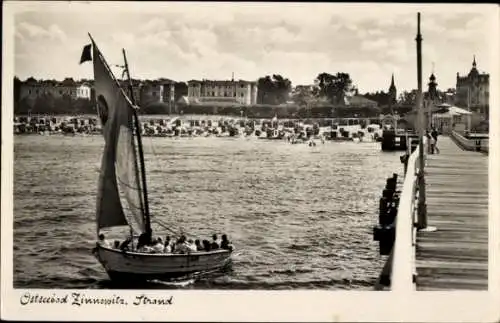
240 91
32 89
84 90
472 90
157 91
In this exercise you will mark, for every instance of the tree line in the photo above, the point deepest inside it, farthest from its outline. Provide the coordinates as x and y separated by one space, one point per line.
328 92
277 89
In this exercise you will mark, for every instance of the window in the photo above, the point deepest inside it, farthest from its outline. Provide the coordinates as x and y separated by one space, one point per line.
242 86
29 91
242 95
60 92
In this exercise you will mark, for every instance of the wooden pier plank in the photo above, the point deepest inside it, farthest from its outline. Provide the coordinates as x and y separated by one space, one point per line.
455 257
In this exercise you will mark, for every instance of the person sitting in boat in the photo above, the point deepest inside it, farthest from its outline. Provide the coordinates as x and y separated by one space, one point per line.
214 245
144 240
103 242
116 244
166 247
191 246
225 244
206 245
181 245
158 246
125 244
198 245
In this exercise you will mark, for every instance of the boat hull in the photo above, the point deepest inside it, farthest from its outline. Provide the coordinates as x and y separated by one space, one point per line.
133 266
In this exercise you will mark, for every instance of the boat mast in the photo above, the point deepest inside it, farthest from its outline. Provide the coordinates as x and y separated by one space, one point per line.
147 219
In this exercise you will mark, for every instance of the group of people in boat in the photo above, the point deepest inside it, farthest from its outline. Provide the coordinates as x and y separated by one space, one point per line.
182 245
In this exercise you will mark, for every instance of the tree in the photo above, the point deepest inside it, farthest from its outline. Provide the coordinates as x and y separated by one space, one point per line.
408 98
17 88
304 95
334 87
17 93
273 90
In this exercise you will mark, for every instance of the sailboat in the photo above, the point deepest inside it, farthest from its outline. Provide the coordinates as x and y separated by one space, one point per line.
122 198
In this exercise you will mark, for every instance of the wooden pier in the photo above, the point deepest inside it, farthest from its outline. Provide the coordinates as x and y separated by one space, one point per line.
451 251
456 255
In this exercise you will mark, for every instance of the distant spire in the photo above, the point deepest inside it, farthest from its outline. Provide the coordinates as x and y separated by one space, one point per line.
392 91
232 77
474 62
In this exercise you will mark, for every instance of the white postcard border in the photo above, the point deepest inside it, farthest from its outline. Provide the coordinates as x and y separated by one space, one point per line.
233 305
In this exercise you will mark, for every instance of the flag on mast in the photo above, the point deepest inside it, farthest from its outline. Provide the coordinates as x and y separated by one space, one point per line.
86 54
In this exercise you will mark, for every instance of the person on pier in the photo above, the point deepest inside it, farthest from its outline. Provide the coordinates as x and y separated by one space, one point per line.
427 141
434 134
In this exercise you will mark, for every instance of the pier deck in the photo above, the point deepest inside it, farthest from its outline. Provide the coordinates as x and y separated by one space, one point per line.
455 257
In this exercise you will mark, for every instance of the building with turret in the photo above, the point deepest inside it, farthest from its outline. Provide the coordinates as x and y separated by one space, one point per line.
432 94
472 90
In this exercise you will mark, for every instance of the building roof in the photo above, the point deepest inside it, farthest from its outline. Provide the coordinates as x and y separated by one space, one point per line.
221 82
458 111
158 82
358 100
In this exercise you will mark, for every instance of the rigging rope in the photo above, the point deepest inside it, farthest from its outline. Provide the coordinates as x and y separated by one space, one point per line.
158 221
165 226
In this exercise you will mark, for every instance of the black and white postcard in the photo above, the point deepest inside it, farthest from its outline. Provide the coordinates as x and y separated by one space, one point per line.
260 161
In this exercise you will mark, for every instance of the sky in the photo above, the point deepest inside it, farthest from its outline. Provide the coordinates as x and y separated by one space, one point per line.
184 41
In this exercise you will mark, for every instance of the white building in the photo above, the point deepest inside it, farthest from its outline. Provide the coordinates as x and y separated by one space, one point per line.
242 92
83 91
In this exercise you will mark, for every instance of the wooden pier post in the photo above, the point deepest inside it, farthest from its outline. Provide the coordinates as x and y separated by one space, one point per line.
422 205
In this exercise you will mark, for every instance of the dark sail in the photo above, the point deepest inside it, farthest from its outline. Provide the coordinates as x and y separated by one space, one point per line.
120 199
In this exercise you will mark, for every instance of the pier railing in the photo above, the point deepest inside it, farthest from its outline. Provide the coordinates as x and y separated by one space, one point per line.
403 254
474 144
